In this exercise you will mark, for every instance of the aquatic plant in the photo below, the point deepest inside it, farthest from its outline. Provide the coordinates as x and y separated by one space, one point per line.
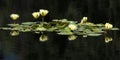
60 26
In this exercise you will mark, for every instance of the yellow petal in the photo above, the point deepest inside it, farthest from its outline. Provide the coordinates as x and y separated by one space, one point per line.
43 12
36 15
14 16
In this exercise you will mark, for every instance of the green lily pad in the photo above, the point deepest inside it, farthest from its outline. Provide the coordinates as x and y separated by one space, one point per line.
65 33
13 25
28 23
115 29
52 29
5 28
94 34
40 29
89 24
100 25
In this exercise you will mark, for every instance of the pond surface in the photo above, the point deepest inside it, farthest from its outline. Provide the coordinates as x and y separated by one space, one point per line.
27 46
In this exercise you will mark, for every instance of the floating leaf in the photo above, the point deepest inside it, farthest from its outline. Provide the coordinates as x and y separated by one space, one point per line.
94 34
89 24
5 28
55 20
65 33
98 30
87 31
52 29
40 29
115 29
64 20
37 32
100 25
28 23
80 33
13 25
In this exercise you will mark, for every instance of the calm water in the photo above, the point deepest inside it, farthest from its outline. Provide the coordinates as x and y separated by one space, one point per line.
26 46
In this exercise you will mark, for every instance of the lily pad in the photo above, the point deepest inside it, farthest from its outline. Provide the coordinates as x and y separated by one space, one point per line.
28 23
100 25
13 25
94 34
40 29
115 29
5 28
65 33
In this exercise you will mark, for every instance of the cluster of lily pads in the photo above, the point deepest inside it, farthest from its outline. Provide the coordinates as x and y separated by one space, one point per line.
60 26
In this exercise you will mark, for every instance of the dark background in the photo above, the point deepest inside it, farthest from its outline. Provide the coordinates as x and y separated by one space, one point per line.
27 46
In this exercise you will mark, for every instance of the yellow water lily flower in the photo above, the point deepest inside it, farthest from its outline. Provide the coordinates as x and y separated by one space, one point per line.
72 26
84 20
43 12
14 16
36 15
108 26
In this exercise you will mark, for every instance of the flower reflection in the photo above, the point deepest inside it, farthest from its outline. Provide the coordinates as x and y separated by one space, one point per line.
14 33
72 37
43 38
108 39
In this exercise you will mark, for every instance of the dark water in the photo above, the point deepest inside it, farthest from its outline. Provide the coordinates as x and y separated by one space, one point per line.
27 46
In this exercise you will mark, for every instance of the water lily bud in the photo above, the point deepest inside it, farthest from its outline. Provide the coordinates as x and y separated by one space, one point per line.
14 16
72 37
14 33
72 26
108 26
84 20
36 15
43 12
43 38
